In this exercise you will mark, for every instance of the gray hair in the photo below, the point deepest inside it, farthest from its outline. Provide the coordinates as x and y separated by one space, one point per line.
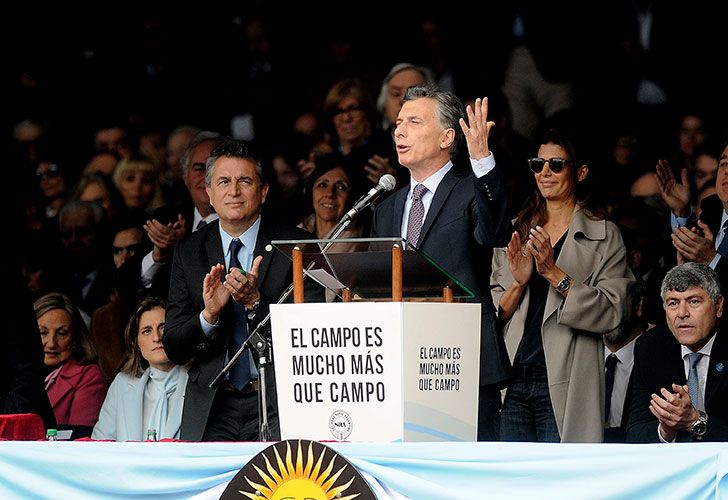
78 206
691 274
449 109
397 68
204 136
233 148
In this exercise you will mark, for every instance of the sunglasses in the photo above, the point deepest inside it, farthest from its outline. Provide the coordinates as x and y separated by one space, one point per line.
52 170
556 165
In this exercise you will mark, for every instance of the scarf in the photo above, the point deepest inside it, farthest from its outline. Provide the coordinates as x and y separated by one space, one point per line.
166 416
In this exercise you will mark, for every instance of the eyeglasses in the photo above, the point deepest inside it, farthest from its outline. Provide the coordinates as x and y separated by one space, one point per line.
52 170
132 249
556 165
349 110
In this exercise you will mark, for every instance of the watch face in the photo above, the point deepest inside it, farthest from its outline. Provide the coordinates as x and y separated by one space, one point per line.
699 428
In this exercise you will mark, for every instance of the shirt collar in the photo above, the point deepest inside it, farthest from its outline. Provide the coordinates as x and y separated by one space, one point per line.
705 351
432 181
625 354
248 238
197 217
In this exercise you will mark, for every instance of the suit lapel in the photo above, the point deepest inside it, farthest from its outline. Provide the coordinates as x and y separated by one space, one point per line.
712 213
400 198
213 246
265 236
65 382
438 201
130 400
717 368
576 259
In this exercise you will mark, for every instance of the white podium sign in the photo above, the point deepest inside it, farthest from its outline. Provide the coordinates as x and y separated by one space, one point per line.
377 371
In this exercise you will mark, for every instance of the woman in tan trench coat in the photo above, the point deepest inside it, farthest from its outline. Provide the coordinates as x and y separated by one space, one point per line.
559 285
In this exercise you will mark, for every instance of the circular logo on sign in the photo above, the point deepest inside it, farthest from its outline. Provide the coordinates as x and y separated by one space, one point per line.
294 469
340 425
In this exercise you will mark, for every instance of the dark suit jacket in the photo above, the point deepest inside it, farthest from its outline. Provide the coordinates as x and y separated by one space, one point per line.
711 214
184 339
658 363
21 358
467 218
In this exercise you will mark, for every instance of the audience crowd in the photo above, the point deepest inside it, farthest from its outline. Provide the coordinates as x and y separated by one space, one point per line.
140 166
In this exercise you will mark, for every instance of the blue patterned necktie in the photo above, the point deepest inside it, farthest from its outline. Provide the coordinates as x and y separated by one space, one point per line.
416 215
723 247
693 384
239 374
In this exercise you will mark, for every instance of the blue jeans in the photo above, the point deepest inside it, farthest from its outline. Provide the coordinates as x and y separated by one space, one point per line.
527 414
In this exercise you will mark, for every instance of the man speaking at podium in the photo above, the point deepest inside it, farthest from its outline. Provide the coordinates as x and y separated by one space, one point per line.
223 280
454 214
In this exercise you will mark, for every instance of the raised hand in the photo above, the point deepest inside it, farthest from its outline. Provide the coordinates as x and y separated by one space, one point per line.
676 195
478 130
165 236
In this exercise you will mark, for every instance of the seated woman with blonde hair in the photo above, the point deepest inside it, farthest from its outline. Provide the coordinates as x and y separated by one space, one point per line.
75 385
148 393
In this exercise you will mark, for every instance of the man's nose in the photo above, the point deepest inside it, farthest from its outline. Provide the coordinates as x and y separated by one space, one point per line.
683 310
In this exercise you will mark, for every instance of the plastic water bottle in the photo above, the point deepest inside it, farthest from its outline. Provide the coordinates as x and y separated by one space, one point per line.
52 435
151 435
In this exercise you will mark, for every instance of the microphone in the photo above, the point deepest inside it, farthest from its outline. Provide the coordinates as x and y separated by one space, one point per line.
386 183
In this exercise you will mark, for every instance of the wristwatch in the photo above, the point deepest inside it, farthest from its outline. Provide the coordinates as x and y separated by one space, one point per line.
253 309
564 285
700 426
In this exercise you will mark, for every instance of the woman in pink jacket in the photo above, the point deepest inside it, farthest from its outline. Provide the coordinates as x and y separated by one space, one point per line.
75 385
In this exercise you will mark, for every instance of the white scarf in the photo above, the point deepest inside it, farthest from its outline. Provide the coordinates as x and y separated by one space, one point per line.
166 416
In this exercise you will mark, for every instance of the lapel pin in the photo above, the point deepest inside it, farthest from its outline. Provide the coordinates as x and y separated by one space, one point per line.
719 367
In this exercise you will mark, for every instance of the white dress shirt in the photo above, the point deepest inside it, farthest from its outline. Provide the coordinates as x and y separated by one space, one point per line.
622 372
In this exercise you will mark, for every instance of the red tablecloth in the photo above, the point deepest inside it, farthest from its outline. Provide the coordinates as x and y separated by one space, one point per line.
22 427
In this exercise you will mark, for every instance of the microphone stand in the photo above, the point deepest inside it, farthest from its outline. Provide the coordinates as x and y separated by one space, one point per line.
256 340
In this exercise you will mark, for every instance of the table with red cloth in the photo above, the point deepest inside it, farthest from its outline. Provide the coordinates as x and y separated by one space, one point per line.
21 427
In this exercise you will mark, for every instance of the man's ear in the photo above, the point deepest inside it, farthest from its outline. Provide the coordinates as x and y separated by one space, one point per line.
639 309
447 138
719 307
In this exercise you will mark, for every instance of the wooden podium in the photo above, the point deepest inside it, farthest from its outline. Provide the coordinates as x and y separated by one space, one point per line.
374 370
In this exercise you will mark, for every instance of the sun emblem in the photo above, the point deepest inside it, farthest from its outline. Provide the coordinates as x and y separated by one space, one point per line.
309 475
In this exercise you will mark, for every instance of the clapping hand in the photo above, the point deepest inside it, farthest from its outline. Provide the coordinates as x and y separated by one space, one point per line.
519 261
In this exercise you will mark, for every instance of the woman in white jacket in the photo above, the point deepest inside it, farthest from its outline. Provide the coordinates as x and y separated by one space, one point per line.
148 393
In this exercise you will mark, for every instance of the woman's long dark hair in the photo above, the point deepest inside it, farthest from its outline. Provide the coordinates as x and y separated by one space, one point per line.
534 213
